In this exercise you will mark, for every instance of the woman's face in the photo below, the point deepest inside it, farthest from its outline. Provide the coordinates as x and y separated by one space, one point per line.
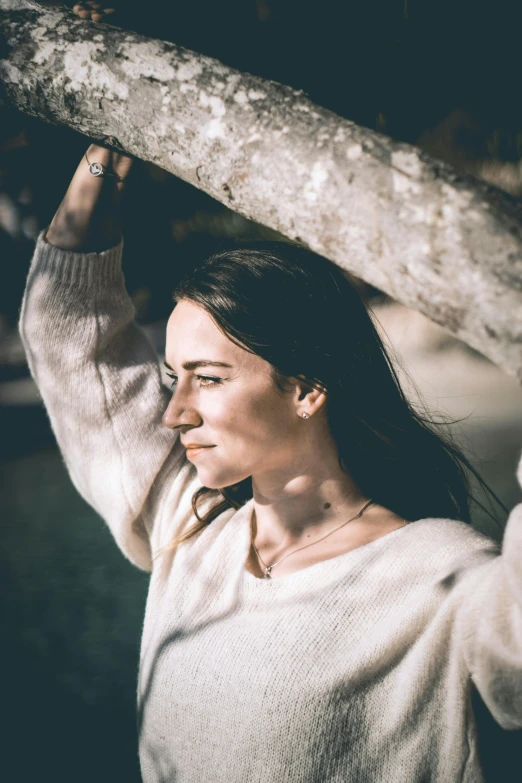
225 400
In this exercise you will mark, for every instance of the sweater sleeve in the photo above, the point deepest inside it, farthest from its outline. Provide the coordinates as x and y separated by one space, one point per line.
491 626
100 381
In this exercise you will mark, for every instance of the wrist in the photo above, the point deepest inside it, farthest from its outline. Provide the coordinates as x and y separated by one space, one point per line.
91 242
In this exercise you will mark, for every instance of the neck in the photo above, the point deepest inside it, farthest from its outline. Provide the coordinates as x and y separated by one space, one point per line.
300 503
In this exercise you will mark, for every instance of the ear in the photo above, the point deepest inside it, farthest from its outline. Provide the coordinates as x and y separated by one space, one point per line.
308 400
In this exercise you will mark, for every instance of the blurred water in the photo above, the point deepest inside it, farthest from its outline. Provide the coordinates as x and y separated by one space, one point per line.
72 615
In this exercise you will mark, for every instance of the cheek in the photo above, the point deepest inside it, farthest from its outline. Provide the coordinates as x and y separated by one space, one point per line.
253 432
254 418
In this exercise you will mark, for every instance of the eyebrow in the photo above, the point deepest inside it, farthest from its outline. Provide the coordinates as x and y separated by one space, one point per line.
194 365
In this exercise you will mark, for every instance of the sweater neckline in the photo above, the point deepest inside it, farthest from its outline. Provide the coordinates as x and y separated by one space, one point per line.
329 568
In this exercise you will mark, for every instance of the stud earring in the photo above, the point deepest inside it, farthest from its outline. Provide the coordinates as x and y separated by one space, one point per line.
305 415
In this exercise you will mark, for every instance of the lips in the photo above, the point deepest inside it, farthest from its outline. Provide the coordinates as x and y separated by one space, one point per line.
194 450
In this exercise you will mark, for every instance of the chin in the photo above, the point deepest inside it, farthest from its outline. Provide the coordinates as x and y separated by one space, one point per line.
212 480
219 481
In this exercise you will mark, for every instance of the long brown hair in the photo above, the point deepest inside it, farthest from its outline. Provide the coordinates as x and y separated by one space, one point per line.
305 317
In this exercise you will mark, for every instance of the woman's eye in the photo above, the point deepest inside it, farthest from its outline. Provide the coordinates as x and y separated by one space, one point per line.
207 380
204 380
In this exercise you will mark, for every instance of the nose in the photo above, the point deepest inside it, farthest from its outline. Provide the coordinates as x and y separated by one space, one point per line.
178 415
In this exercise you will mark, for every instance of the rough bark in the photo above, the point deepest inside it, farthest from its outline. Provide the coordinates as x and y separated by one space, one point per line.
447 245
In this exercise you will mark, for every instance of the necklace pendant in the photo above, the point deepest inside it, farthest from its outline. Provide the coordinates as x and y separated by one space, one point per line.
268 570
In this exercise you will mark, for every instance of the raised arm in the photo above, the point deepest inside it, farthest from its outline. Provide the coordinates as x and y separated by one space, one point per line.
96 371
490 619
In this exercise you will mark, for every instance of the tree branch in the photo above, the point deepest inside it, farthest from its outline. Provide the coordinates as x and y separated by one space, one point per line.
447 245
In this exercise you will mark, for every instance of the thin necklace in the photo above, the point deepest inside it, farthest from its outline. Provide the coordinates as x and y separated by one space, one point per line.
268 568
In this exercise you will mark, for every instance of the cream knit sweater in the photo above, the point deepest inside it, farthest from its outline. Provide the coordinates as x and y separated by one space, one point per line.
357 669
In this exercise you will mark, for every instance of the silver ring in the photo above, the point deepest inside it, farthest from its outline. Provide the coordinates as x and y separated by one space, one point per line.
96 169
99 170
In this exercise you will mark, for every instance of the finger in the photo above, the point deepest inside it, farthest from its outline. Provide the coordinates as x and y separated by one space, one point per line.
121 165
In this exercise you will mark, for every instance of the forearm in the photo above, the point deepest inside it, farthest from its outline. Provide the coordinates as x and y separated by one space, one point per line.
100 381
89 219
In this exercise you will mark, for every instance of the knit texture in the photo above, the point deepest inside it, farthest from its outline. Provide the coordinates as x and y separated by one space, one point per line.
358 668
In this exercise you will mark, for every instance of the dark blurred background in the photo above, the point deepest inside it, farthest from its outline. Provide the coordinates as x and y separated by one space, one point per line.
439 74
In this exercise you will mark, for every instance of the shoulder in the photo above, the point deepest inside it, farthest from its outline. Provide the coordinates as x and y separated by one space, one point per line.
440 547
435 532
440 530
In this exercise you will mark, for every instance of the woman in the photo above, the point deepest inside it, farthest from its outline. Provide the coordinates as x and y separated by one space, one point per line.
326 616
